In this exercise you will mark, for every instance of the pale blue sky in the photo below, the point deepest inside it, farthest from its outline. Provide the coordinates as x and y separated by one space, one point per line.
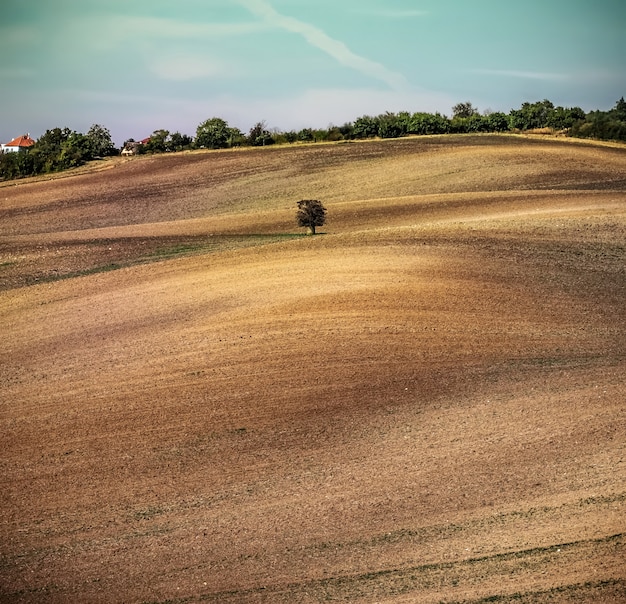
135 66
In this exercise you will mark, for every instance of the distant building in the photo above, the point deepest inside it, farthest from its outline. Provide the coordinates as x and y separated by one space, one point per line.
19 144
131 147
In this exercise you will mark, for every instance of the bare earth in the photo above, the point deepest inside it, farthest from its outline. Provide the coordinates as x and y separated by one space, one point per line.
425 403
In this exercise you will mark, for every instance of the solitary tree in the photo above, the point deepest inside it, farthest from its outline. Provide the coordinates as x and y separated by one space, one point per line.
311 213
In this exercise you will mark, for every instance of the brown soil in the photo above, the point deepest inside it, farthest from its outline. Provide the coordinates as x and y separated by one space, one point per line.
426 403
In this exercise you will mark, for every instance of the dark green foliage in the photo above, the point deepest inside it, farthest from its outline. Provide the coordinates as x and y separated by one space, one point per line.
16 165
57 149
179 142
46 152
563 118
214 133
259 136
100 143
391 125
306 135
289 137
236 138
158 142
532 115
365 127
464 110
544 114
600 125
473 123
608 125
347 131
311 214
498 122
333 134
618 113
428 123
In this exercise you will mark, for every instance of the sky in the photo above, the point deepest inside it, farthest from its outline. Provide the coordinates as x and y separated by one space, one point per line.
136 66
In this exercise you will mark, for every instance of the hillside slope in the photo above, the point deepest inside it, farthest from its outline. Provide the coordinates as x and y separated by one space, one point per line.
424 404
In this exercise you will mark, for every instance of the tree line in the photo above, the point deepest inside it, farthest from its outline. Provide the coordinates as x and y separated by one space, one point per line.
62 148
57 149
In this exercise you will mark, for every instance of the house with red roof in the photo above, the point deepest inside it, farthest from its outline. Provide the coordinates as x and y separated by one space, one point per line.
19 144
131 146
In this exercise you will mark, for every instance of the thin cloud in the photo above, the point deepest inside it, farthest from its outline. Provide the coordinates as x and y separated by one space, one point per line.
122 29
526 75
320 40
172 28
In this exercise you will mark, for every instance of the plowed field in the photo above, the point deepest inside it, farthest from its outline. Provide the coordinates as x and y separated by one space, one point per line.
426 402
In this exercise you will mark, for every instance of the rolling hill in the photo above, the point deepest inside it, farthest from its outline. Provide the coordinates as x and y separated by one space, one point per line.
424 403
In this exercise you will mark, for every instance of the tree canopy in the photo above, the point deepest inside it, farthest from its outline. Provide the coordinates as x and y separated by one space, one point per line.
259 136
311 214
212 134
100 143
464 110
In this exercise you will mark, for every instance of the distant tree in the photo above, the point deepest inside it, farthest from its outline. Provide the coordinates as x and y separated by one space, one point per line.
214 133
306 135
334 134
619 111
26 164
158 142
391 125
75 151
464 110
563 118
603 125
58 149
347 130
473 123
365 127
179 142
497 121
428 123
478 123
236 138
100 143
49 143
532 115
260 136
289 137
311 214
9 165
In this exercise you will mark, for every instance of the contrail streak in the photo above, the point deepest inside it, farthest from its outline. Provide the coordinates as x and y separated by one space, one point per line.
335 48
